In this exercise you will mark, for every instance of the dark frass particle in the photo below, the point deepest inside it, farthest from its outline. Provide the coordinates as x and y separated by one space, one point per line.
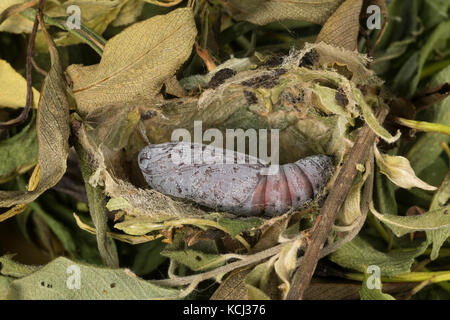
220 76
266 81
341 98
145 115
274 61
292 98
309 59
221 183
250 97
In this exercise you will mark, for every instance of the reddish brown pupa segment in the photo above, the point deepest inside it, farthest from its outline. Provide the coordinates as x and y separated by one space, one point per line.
240 188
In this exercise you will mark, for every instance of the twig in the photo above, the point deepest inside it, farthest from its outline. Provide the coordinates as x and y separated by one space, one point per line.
14 9
38 69
30 52
330 209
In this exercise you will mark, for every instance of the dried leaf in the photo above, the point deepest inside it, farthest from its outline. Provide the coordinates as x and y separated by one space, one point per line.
13 88
138 72
53 135
267 11
233 287
128 13
15 23
351 209
342 28
286 264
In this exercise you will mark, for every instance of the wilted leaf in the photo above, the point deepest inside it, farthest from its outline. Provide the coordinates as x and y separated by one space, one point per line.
257 281
233 287
342 28
15 23
358 253
128 13
53 135
150 53
351 209
286 264
57 281
371 120
266 11
400 225
399 171
96 15
13 87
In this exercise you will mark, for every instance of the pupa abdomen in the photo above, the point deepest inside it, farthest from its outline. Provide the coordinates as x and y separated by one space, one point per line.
230 185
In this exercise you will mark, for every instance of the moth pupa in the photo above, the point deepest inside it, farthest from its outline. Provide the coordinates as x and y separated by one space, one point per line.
232 181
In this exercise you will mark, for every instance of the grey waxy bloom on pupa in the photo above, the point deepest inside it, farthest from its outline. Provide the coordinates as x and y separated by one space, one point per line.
216 179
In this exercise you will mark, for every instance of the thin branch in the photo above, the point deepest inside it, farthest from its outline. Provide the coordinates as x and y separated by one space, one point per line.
38 69
330 209
17 8
30 53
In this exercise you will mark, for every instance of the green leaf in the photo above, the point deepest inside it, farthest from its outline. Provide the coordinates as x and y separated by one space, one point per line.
58 228
371 120
257 281
19 153
367 293
57 281
11 268
401 225
429 143
358 253
440 199
4 286
439 37
196 260
236 226
148 257
385 193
